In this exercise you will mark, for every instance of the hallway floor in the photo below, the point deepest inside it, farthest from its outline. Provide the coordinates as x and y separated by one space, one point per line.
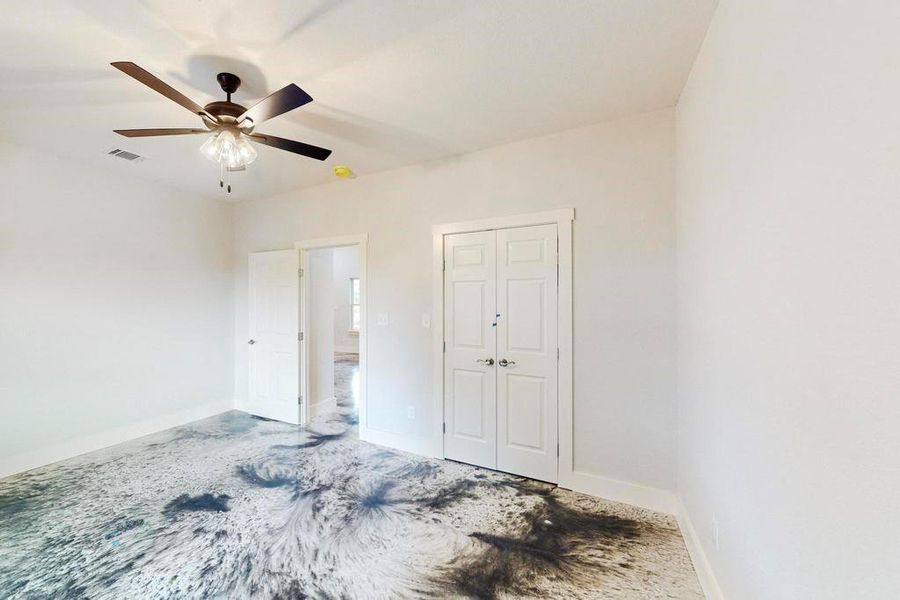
236 506
346 387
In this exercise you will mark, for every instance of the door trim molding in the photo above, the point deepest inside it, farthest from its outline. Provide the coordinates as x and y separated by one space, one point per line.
563 219
362 242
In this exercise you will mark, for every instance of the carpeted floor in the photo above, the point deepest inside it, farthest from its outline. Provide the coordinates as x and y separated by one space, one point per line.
236 506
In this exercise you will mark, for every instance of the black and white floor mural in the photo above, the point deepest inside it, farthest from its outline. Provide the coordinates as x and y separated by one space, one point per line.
236 507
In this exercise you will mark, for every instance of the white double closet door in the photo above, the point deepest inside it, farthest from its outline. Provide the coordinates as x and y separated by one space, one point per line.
501 356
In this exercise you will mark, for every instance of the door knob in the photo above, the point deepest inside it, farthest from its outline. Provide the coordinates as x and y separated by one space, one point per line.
505 363
486 361
251 342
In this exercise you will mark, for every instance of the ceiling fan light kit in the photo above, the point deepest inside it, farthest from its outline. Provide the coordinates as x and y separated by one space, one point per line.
230 125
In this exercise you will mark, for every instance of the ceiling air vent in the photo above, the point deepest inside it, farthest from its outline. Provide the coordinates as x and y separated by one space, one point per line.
126 155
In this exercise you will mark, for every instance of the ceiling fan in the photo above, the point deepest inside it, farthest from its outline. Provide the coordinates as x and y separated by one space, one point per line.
231 125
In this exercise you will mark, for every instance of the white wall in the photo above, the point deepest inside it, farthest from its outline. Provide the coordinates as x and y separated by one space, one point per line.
320 266
620 178
789 279
115 308
346 265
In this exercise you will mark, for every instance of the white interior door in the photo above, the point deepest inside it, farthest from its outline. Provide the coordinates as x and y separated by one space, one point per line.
527 354
470 381
501 350
273 346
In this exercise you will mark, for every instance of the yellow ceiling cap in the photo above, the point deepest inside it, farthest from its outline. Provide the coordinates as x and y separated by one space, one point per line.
344 172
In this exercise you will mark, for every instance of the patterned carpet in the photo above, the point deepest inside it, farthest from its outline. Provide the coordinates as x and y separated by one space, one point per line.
236 507
346 386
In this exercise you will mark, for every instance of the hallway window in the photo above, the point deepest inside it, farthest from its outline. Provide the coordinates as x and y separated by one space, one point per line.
354 304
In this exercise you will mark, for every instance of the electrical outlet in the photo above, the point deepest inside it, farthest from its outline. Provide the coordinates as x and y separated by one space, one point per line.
410 412
715 533
426 320
383 319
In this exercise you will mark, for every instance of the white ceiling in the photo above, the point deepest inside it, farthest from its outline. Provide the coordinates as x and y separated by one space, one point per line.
395 82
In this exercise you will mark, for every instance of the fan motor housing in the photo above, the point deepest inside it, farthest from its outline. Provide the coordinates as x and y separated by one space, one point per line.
223 108
227 114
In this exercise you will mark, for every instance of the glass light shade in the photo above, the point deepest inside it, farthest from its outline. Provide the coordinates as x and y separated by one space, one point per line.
229 149
210 149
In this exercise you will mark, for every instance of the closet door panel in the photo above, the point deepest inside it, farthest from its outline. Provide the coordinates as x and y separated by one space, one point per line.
527 352
470 380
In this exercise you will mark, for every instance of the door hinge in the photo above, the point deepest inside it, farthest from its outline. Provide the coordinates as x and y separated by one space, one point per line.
299 400
445 265
557 354
445 427
557 449
445 347
299 272
299 336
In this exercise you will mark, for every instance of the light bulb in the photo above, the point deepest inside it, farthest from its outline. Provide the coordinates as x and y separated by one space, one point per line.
210 148
229 149
246 150
226 142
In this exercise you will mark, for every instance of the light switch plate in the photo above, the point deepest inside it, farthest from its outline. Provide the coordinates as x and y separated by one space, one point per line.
383 318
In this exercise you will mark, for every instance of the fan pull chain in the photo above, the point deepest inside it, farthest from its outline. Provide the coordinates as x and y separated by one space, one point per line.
224 177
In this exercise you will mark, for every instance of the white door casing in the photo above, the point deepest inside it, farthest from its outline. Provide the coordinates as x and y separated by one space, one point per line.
469 373
274 377
527 353
563 219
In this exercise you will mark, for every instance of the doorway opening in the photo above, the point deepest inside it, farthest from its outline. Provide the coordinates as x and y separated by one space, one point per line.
333 325
332 334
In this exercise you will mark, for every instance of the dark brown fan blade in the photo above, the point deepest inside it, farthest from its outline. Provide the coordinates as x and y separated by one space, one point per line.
277 103
153 82
153 132
291 146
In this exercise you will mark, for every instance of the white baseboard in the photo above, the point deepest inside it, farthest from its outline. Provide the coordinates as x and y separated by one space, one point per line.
243 405
660 501
415 445
651 498
89 443
701 563
622 491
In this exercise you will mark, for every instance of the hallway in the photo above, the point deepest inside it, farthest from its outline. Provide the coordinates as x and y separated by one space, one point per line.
346 393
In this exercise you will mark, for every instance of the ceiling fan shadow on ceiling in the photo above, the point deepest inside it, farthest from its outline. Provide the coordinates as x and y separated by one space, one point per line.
230 125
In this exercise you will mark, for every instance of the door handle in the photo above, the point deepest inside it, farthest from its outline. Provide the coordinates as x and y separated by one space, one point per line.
486 361
505 363
251 342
